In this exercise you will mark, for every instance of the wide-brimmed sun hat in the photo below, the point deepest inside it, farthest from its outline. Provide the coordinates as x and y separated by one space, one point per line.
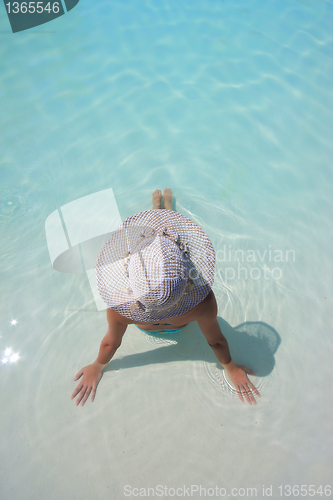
158 264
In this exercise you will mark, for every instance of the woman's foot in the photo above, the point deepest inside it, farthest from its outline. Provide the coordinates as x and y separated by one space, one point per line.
157 198
168 198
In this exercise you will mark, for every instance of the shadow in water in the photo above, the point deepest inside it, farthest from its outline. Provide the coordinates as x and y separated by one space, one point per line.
253 344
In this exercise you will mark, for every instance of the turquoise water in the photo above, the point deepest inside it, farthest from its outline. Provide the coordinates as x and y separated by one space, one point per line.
230 105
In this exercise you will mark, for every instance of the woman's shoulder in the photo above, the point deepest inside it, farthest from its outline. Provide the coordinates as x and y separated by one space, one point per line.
115 317
207 306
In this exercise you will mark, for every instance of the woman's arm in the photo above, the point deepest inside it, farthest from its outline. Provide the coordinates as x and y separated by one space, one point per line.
207 321
92 374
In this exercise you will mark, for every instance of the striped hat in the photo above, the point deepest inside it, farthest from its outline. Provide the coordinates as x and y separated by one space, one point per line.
158 264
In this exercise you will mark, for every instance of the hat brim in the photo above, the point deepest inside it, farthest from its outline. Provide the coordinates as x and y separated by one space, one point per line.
112 277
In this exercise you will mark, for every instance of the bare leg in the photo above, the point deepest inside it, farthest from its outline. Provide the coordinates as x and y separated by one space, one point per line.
168 198
157 198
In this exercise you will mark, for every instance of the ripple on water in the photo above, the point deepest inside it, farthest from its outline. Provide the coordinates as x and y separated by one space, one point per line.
253 344
154 339
220 382
13 202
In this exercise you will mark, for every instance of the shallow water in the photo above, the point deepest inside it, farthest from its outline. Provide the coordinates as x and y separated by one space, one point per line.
230 105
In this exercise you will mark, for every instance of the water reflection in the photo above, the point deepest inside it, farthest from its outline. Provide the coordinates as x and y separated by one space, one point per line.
9 356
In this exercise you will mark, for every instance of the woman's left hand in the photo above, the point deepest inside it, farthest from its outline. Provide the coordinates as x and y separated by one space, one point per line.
244 387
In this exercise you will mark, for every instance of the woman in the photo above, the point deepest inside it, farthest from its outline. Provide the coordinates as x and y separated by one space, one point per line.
156 271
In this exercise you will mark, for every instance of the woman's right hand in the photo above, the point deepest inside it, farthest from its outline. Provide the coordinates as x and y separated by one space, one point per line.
92 374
